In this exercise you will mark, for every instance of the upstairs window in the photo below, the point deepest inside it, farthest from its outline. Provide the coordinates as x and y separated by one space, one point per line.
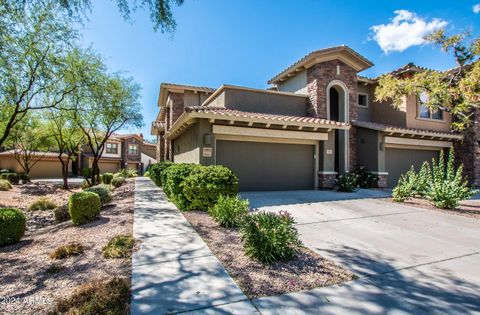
424 111
112 148
362 100
133 149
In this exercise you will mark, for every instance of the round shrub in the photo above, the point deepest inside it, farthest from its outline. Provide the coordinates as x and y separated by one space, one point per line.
107 178
83 207
12 225
13 178
229 211
118 181
175 176
156 170
146 174
270 237
203 187
5 185
103 191
25 178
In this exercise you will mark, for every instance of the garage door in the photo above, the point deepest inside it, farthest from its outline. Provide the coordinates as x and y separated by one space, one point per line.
108 166
399 161
268 166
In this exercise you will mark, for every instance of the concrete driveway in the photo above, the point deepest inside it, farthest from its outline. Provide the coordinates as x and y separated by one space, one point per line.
408 260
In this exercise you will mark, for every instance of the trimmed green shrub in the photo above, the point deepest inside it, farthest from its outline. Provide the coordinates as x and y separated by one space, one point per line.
175 176
13 178
146 174
84 207
4 170
106 178
25 178
118 181
366 179
203 187
103 191
42 203
119 246
61 214
229 211
347 182
270 237
97 297
65 251
447 186
5 185
156 170
12 225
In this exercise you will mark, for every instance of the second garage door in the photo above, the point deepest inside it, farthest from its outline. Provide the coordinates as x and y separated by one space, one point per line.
399 161
268 166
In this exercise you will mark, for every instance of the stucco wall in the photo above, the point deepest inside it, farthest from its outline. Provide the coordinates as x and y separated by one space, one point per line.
367 149
421 123
186 147
295 84
365 113
46 168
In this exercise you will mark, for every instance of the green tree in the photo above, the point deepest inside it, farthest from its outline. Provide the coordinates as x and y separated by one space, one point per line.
33 47
30 142
456 91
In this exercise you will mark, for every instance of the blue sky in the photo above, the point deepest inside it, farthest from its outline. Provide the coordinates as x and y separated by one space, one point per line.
246 42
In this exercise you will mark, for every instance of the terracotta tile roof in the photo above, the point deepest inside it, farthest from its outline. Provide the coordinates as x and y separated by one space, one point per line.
403 130
231 113
187 87
34 153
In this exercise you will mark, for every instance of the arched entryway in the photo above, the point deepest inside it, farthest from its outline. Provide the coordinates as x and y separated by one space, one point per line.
337 110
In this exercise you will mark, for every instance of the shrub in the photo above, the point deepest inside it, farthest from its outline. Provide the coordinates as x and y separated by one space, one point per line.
119 246
229 211
61 214
83 207
118 181
366 179
270 237
13 178
4 170
127 172
347 182
87 172
175 175
12 225
97 297
423 180
203 187
25 178
406 186
5 185
146 174
42 203
107 178
103 191
447 185
65 251
156 170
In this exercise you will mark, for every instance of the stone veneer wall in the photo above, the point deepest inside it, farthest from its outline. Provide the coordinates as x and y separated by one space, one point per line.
318 78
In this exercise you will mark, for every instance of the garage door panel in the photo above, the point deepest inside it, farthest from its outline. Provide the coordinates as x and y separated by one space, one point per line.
108 167
268 166
399 161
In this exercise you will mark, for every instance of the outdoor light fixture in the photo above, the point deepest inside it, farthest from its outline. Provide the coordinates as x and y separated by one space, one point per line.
207 139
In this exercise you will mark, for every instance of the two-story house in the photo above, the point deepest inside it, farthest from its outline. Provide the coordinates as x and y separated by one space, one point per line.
120 152
319 119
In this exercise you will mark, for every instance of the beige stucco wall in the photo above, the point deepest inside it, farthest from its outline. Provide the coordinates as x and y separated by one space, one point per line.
194 99
295 84
186 146
413 121
365 113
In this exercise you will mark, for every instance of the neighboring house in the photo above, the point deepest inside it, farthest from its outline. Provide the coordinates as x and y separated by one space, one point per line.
46 164
122 151
318 119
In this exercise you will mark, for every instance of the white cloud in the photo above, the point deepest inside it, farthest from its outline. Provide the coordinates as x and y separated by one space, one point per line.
476 8
406 29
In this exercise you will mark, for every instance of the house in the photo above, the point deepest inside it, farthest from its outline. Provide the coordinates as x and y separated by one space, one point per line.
122 151
43 164
319 119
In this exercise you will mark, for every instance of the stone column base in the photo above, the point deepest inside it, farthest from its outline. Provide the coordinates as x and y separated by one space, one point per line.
327 180
382 181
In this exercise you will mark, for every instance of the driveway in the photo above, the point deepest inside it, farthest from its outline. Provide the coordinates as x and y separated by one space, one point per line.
408 260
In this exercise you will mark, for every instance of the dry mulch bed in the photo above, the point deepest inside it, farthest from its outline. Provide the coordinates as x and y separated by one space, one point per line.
309 270
31 282
467 208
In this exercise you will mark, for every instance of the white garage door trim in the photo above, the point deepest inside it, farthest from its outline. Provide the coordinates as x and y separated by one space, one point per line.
416 144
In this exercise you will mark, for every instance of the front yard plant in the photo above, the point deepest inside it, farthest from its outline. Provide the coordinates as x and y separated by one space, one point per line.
119 246
106 178
97 297
42 203
155 171
65 251
5 185
207 183
103 191
173 183
442 184
12 225
229 212
348 182
118 181
269 237
84 207
13 178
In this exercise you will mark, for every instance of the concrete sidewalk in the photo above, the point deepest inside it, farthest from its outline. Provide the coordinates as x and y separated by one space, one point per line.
174 271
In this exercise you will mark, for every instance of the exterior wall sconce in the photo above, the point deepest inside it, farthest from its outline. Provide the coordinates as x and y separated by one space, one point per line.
207 139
